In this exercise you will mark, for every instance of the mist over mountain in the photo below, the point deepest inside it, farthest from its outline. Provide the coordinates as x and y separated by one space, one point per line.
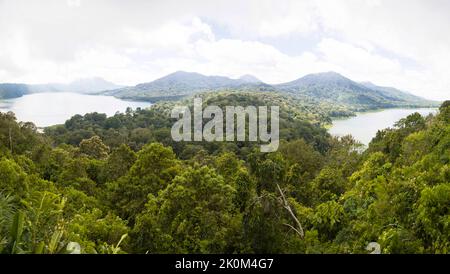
247 78
327 86
84 85
393 92
333 87
181 83
9 90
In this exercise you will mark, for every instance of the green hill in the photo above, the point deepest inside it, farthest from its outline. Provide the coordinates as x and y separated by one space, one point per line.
8 91
120 185
328 87
180 84
335 88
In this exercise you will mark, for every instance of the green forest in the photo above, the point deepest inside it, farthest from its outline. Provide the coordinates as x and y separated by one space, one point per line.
120 184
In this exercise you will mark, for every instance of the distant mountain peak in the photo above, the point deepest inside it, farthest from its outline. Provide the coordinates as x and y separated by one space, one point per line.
81 85
321 78
185 77
90 80
183 73
326 76
335 88
329 86
248 78
328 73
91 84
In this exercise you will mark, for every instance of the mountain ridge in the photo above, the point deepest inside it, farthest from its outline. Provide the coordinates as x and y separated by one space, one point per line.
335 88
325 86
329 87
182 83
81 85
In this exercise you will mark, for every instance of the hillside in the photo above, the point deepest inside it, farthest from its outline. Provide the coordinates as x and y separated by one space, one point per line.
339 94
83 85
8 91
296 118
180 84
394 93
120 185
335 88
329 87
247 78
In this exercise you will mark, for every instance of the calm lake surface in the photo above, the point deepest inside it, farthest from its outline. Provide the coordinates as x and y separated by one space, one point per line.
364 126
46 109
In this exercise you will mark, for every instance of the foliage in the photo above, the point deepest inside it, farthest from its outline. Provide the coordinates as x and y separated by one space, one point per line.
66 191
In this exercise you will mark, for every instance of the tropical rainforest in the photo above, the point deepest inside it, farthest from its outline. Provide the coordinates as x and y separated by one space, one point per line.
119 184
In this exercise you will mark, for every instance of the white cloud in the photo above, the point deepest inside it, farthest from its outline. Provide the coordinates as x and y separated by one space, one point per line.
399 43
74 3
357 62
288 18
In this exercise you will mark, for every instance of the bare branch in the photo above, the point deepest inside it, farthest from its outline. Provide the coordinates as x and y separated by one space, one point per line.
289 209
293 228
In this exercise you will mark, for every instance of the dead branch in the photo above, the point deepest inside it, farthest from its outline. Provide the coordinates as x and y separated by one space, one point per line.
289 209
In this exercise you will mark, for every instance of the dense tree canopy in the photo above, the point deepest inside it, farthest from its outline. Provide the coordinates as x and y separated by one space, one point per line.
120 184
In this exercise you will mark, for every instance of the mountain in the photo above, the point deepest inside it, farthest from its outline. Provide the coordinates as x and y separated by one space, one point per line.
394 93
181 83
8 91
84 85
247 78
326 87
335 88
321 88
89 85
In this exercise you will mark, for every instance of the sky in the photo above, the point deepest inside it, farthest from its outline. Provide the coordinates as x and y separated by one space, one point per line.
401 43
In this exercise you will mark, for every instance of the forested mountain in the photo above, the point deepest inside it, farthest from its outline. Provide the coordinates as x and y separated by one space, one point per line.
8 91
84 85
323 88
119 185
333 87
136 128
247 78
329 87
181 83
395 94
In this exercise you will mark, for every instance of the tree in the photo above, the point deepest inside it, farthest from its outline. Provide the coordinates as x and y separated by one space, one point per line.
118 163
96 232
44 225
94 147
269 169
227 165
328 185
298 152
193 214
13 178
433 216
156 166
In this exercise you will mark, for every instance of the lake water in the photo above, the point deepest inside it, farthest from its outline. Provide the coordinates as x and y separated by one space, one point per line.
364 126
46 109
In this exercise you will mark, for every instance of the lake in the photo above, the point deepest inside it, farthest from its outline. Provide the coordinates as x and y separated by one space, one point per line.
364 126
46 109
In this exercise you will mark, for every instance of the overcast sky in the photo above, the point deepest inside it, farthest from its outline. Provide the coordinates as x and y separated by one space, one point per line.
401 43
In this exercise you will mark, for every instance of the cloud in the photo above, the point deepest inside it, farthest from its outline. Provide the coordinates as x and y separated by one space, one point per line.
399 43
74 3
358 62
298 17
